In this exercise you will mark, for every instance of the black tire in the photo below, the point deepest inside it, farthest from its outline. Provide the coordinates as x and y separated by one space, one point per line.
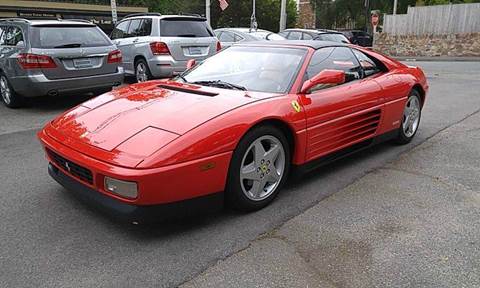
12 99
234 194
148 74
402 137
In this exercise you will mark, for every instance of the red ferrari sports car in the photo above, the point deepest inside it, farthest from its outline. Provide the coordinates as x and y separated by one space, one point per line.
232 127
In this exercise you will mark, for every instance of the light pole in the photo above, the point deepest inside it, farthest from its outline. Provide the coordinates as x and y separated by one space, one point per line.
253 19
283 15
207 11
395 2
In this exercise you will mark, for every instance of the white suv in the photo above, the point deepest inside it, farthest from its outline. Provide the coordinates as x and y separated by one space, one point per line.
159 46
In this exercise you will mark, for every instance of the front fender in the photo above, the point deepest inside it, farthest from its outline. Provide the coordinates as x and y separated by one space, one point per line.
222 133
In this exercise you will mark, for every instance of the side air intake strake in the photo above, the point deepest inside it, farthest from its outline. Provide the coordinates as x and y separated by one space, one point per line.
341 133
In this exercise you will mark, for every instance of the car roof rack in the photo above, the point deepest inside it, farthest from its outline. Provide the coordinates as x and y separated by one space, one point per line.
16 19
142 14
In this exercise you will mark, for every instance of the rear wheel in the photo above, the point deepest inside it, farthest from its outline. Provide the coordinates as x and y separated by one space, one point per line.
9 97
142 72
411 118
258 169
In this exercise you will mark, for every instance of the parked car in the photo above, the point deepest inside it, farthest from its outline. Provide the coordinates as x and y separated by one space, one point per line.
314 34
359 37
233 126
159 46
229 36
52 57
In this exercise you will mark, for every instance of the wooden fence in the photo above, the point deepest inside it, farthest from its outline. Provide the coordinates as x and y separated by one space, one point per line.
435 20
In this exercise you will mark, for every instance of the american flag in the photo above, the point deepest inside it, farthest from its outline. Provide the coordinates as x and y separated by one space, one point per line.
223 4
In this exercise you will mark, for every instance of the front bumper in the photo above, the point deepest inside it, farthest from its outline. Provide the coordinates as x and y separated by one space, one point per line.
167 185
137 213
39 85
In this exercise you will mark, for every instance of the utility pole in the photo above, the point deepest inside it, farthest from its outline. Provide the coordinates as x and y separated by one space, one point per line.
207 11
283 15
395 2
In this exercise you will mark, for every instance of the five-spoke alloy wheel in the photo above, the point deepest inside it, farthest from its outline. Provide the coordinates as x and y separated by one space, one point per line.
262 169
142 72
411 118
258 169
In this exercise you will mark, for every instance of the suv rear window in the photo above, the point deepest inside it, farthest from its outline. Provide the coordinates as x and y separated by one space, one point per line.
178 27
68 37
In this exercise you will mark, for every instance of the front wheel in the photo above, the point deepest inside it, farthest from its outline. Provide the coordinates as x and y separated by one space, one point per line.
411 118
259 168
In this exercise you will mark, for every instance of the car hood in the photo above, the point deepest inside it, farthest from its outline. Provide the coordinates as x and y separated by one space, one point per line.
153 113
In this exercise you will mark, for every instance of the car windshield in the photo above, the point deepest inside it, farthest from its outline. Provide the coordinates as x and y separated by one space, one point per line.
68 37
263 69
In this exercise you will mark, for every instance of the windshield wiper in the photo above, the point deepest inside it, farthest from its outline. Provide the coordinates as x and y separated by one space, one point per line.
70 45
183 78
220 84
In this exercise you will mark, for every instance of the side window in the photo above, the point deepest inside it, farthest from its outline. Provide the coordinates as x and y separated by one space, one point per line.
146 27
238 38
120 30
368 65
336 58
283 34
134 28
12 36
319 61
226 37
307 36
295 35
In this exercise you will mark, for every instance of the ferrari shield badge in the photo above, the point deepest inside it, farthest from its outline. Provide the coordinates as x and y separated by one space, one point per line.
296 106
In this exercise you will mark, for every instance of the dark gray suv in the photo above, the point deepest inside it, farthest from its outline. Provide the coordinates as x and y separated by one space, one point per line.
52 57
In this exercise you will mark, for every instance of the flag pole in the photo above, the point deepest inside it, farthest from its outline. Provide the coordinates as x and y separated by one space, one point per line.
207 11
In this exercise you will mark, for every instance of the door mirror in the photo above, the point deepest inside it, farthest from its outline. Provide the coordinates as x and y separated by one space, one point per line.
191 63
327 76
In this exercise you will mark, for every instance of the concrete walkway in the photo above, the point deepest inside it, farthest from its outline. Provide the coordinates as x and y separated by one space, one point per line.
412 223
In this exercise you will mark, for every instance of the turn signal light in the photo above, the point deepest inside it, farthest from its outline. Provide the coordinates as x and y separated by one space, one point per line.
122 188
114 57
159 48
35 61
219 46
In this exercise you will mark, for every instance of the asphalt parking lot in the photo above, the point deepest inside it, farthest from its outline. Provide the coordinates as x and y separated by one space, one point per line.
49 239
